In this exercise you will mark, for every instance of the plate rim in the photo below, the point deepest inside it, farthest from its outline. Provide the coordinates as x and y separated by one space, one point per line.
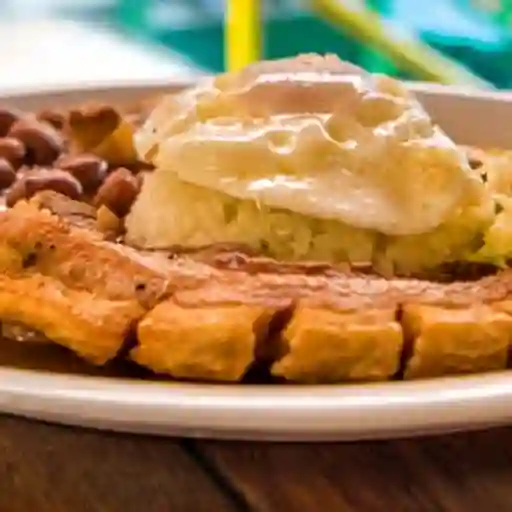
158 83
252 412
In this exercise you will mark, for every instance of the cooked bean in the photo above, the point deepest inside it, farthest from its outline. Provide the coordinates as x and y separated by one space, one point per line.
36 180
52 179
88 169
56 119
7 174
13 150
8 116
118 191
43 142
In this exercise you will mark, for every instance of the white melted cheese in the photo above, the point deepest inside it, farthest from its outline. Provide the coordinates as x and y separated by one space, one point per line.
317 137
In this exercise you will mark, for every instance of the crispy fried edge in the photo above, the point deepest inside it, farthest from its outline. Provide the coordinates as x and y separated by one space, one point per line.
333 346
93 327
216 343
452 340
209 309
82 260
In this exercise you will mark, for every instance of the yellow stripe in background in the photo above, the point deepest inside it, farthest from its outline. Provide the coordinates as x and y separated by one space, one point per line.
408 53
242 33
242 40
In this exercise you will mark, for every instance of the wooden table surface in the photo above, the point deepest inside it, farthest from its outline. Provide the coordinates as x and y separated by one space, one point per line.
48 468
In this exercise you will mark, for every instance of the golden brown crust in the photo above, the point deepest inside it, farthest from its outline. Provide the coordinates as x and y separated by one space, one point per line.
447 341
216 343
345 292
81 259
334 346
95 328
197 320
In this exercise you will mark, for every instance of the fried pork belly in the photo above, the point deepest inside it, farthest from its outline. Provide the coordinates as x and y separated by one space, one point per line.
348 328
448 340
333 346
214 318
36 239
94 327
216 343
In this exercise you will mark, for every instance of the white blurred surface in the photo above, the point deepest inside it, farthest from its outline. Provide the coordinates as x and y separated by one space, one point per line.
49 53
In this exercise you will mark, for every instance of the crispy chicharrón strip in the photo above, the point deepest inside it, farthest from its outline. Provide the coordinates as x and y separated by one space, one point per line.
94 327
193 320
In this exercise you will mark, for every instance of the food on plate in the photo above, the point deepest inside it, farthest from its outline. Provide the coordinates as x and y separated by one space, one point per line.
200 320
307 159
300 217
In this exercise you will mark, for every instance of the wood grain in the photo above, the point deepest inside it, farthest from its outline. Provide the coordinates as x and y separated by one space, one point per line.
45 468
457 473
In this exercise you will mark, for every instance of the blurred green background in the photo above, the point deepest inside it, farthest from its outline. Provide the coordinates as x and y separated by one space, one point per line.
474 33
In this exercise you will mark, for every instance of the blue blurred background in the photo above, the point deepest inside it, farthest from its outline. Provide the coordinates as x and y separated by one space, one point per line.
60 42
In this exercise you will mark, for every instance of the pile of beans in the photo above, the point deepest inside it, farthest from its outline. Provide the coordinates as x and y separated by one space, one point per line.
35 155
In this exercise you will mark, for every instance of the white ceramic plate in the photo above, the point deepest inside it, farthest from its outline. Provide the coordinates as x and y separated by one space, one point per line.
284 412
